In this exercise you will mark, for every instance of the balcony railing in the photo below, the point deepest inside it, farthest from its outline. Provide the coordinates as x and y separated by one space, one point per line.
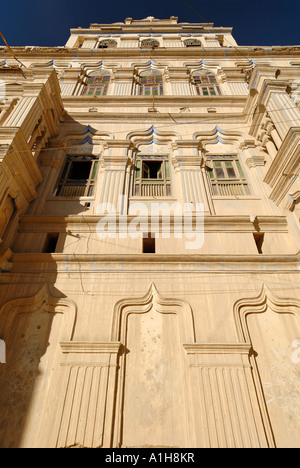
78 188
229 188
153 188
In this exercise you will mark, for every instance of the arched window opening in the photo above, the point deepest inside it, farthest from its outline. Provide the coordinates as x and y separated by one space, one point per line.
206 84
97 84
151 83
192 43
107 44
149 44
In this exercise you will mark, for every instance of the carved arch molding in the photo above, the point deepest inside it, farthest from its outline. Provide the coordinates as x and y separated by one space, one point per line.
270 325
31 328
152 374
138 377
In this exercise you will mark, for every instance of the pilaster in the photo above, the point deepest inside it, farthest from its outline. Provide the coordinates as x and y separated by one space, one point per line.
86 390
187 161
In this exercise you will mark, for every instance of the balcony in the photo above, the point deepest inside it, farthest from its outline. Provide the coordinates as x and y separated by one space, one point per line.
229 188
152 188
75 188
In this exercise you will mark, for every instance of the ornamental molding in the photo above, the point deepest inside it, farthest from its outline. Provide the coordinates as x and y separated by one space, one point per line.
293 200
86 141
144 304
149 66
87 68
218 135
203 66
152 135
60 66
44 301
259 304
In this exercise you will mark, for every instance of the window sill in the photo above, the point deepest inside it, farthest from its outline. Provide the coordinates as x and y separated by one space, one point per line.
141 199
239 197
58 198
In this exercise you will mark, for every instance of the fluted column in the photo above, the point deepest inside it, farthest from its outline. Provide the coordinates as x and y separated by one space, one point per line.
187 162
226 407
87 386
114 181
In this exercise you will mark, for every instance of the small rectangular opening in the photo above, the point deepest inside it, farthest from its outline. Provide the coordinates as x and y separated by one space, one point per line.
148 243
50 243
259 240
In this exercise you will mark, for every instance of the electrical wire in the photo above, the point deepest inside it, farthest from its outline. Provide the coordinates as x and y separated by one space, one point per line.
12 52
157 127
212 31
148 53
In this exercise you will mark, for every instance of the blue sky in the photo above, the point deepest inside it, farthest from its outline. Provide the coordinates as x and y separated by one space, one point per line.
47 23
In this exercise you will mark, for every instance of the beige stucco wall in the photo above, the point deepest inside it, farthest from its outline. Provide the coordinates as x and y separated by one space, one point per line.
111 347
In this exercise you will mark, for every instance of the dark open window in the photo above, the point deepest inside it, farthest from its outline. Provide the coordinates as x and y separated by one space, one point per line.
259 240
78 177
50 243
148 243
152 177
152 170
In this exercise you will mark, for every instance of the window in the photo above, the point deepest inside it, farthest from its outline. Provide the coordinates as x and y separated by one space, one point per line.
152 177
149 243
78 177
151 83
96 85
192 43
107 44
206 84
149 44
259 240
50 243
226 176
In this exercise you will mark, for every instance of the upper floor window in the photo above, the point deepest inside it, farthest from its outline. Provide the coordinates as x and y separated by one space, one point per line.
149 44
97 84
107 44
206 84
78 177
151 83
192 43
227 176
152 176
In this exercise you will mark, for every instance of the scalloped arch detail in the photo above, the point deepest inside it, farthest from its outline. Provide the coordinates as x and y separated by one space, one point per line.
144 304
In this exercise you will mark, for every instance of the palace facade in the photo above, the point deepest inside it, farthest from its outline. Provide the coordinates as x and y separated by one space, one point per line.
149 229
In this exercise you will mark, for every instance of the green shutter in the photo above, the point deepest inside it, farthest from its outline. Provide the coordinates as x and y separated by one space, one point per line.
240 169
138 169
95 170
